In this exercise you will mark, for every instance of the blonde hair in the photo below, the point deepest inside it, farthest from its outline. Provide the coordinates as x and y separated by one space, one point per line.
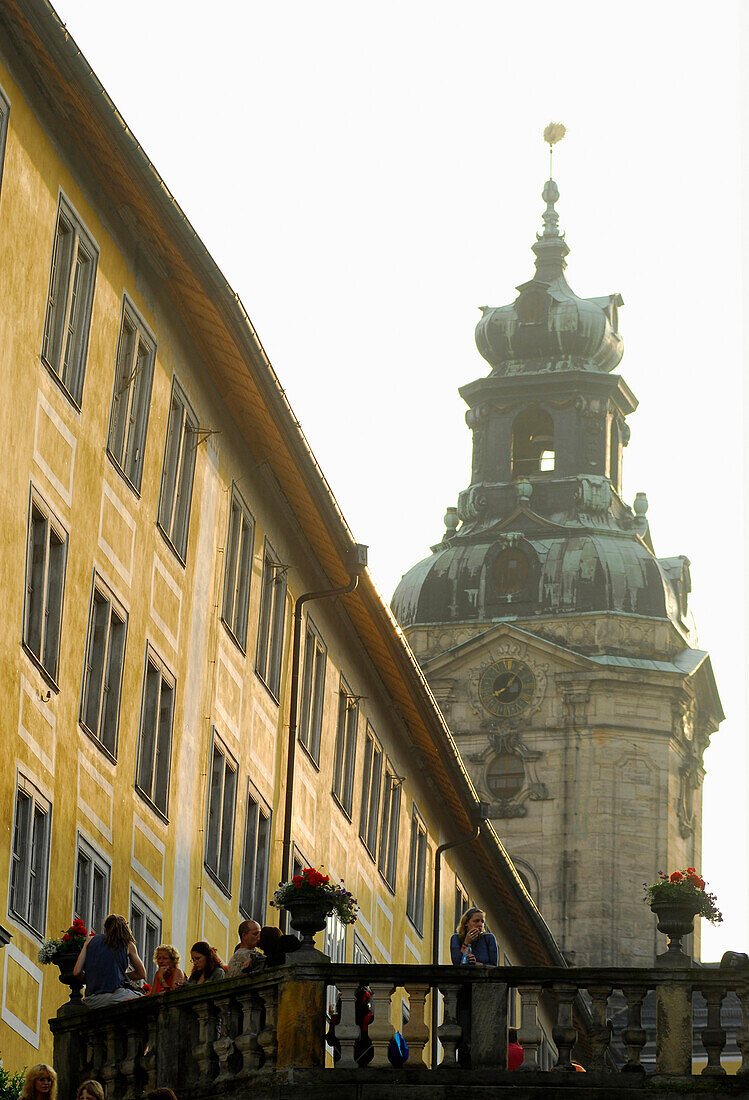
463 923
33 1073
90 1086
167 949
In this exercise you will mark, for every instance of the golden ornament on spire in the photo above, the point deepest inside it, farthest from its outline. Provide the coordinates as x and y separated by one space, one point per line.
554 132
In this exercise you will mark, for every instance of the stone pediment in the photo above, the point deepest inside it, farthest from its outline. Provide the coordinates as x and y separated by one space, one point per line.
498 640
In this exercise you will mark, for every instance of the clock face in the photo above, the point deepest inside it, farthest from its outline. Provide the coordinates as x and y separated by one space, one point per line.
506 687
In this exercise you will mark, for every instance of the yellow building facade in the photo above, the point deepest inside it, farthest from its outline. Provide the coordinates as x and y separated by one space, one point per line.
163 514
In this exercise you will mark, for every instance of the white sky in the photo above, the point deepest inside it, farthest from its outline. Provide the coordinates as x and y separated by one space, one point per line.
366 176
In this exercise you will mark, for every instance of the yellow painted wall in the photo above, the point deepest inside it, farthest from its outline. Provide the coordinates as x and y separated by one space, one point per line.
62 451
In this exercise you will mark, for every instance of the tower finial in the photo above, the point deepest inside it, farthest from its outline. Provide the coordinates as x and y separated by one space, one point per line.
553 133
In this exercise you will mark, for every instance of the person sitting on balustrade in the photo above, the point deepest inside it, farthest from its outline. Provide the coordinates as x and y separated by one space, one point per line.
168 976
103 960
206 965
246 957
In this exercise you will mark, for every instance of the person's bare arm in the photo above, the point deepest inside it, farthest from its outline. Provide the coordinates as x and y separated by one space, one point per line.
137 969
80 961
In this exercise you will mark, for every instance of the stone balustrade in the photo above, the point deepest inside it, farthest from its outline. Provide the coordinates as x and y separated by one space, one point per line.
265 1035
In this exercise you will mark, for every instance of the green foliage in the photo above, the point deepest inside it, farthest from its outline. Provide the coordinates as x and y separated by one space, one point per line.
11 1084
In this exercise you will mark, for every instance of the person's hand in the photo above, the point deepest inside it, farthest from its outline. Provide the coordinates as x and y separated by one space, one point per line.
470 958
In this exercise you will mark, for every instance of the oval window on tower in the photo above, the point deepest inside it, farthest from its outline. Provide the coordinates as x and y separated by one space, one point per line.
505 775
511 570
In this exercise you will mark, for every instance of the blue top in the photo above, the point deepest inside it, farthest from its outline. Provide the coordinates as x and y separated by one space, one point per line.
484 949
104 968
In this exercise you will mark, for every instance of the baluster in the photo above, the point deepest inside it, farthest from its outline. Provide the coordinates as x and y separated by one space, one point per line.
132 1062
742 1034
246 1041
713 1036
416 1031
224 1044
109 1069
381 1029
347 1030
529 1033
449 1031
600 1031
203 1051
150 1052
634 1036
268 1038
98 1041
563 1032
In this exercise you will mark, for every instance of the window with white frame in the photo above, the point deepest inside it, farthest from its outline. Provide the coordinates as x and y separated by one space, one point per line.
334 943
271 625
102 674
387 858
29 873
312 691
69 299
254 889
4 116
92 875
461 902
155 741
370 795
178 471
238 569
46 555
345 748
131 400
362 954
145 924
417 860
222 799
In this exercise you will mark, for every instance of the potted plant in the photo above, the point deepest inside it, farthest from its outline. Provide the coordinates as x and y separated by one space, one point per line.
64 953
676 899
310 898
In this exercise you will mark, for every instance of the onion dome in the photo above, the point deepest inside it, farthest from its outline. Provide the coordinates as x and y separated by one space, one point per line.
548 327
522 577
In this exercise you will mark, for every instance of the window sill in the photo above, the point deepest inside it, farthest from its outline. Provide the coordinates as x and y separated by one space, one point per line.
390 888
135 489
48 677
17 920
315 763
60 384
242 648
346 813
226 890
159 813
419 931
111 756
366 849
170 544
269 690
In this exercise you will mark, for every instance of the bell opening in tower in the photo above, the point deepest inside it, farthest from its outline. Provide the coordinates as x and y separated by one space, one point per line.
533 443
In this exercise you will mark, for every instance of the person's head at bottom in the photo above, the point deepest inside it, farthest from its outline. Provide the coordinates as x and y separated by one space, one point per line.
40 1083
90 1090
160 1094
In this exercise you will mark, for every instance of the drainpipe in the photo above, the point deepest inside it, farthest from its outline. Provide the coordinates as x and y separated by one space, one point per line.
482 812
356 564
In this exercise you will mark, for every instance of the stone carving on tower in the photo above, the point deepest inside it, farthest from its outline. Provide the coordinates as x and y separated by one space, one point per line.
560 647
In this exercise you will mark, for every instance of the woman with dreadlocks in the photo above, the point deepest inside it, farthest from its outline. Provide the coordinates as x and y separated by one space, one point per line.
108 961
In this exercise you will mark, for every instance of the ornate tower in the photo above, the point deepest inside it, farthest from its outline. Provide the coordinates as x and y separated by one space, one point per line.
559 646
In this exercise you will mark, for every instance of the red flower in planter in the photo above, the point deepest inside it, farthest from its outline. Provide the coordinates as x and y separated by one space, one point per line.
676 877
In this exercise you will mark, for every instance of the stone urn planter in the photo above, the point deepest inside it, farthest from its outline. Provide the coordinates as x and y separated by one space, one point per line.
65 960
307 916
675 920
